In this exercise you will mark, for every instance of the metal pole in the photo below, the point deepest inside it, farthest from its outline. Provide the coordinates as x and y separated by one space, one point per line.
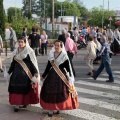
44 8
6 47
108 5
110 23
52 17
30 5
15 10
103 15
61 8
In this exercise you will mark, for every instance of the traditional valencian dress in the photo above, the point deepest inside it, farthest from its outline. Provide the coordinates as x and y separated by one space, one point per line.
115 46
55 92
22 91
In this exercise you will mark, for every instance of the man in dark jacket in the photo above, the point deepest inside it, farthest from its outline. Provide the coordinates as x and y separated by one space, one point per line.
34 40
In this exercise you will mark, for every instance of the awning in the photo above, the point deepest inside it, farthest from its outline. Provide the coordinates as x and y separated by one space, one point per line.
117 22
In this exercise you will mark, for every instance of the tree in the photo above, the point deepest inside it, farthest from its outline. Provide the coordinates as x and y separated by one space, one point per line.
2 19
85 14
13 12
97 14
29 5
43 7
29 14
68 9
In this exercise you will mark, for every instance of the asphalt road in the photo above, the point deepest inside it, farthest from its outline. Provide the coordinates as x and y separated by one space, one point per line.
98 100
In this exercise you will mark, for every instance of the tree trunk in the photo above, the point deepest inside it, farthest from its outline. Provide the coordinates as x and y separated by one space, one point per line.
2 19
53 17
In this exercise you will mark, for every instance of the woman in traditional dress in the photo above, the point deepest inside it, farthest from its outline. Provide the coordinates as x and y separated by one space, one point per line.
22 89
115 46
56 92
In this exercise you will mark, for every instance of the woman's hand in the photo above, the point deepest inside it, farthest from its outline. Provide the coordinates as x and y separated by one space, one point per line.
6 75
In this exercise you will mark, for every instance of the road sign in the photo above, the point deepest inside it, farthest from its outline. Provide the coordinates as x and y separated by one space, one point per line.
110 18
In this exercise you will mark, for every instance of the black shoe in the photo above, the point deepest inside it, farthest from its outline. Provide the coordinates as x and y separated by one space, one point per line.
110 81
58 112
50 114
94 78
16 109
89 73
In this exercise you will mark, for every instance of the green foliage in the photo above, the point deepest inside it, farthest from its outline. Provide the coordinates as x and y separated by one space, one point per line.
2 19
68 9
43 8
29 6
29 15
18 25
71 9
85 14
13 12
97 14
17 21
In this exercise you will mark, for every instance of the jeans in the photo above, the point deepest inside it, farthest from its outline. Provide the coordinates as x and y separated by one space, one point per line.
105 63
36 50
44 47
11 44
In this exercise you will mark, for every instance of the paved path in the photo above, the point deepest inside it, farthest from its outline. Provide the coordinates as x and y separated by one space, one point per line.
98 100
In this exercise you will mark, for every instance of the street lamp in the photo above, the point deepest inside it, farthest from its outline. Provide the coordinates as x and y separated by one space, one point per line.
53 7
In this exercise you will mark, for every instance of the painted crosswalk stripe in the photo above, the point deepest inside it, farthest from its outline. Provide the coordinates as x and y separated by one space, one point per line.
98 93
93 102
98 103
116 72
104 79
98 85
115 75
83 114
88 115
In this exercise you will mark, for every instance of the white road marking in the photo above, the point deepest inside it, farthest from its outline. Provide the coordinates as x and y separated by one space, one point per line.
98 85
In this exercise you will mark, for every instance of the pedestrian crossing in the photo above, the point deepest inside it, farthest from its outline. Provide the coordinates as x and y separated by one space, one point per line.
115 73
102 99
88 115
98 100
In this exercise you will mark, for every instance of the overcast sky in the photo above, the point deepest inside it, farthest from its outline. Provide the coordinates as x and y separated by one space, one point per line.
113 4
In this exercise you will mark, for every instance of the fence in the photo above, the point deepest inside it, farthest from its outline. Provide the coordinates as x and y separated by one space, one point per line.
6 45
